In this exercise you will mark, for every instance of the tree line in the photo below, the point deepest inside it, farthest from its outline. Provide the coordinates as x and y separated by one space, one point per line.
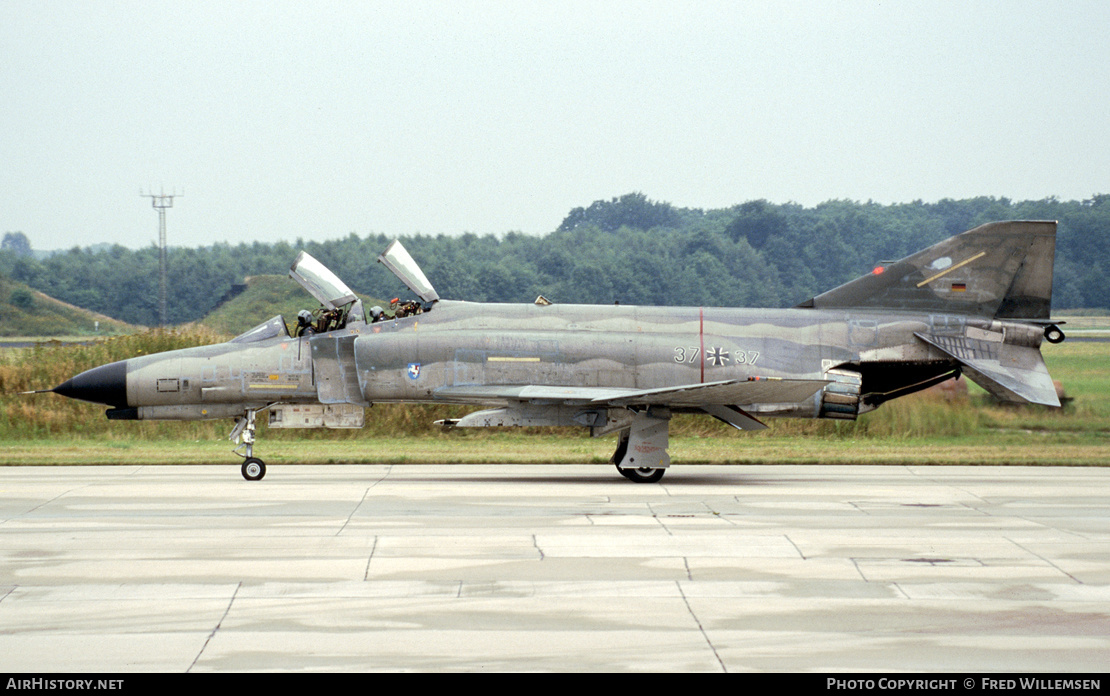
628 249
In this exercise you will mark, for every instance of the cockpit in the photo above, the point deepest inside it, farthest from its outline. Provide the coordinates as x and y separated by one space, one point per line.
340 307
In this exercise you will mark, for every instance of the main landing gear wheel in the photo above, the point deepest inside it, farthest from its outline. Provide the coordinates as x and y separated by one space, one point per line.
254 469
643 474
642 447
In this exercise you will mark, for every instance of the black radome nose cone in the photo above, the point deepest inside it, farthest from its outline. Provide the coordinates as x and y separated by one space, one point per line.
106 384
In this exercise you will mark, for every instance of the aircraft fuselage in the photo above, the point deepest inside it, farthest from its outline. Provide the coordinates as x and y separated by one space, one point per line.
460 344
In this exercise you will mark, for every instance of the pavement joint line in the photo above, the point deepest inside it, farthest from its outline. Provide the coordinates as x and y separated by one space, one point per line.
217 627
363 499
701 629
366 573
855 564
800 554
898 587
1034 553
659 520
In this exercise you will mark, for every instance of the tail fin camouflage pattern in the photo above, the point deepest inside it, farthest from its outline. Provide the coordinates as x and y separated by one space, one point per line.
1001 270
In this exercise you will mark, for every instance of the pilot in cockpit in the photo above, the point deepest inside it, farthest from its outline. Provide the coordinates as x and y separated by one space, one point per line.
304 323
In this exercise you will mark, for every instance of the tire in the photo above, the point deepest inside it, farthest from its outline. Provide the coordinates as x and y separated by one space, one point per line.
254 469
643 474
622 447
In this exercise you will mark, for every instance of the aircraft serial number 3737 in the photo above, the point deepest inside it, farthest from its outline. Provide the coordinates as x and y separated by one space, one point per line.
977 304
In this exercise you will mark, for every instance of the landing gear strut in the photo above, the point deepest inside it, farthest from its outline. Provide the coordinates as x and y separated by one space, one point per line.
243 433
641 454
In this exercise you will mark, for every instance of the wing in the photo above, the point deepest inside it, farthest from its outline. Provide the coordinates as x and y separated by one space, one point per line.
754 390
723 400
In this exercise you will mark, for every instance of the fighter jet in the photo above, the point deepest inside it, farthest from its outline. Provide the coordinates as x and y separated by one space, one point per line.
975 304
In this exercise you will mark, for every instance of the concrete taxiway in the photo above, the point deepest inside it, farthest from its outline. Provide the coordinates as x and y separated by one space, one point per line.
420 567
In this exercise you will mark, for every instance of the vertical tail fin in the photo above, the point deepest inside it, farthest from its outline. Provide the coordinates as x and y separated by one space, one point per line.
1001 270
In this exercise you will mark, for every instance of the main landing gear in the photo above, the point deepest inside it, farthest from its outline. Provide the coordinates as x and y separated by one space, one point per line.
243 433
641 454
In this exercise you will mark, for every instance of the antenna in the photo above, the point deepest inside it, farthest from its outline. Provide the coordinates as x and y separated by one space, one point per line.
160 202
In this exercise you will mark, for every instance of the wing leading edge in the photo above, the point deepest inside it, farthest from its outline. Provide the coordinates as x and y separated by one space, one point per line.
755 390
722 400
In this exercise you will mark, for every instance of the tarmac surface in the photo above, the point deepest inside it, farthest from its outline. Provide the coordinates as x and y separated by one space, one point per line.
554 568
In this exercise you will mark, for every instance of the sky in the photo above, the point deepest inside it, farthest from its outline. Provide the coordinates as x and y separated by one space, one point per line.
285 120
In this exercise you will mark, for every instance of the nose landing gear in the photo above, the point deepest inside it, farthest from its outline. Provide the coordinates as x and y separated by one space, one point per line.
243 434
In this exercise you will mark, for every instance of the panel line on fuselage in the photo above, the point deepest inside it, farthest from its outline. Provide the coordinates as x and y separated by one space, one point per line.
701 340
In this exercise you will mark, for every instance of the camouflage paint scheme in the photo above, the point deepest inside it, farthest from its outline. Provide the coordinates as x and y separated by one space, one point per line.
977 304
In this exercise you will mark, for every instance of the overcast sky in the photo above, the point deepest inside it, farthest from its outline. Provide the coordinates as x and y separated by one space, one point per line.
286 119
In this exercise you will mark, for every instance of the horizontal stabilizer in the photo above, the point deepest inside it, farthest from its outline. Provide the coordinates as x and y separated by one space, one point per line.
1012 373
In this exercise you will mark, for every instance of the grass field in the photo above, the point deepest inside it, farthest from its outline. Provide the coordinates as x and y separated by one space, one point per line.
921 429
1017 448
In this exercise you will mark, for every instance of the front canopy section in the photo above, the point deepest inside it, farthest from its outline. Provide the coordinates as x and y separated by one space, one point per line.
271 328
321 283
397 259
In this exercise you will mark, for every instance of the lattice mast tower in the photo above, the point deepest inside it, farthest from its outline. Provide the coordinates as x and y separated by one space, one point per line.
160 202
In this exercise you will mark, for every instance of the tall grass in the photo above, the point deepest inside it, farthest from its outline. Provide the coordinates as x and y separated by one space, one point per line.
47 365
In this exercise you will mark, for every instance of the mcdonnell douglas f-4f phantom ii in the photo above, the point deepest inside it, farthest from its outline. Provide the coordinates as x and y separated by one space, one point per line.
975 304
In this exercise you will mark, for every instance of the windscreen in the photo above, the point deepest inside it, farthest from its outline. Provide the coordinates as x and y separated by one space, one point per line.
275 326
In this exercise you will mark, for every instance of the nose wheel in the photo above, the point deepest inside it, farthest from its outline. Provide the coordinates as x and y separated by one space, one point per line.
243 433
254 469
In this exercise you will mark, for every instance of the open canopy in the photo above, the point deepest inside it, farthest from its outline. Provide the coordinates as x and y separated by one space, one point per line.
321 283
397 259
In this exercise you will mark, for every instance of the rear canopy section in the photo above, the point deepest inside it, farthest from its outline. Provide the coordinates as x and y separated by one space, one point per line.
397 259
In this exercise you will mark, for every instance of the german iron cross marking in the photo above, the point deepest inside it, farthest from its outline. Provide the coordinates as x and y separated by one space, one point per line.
717 356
